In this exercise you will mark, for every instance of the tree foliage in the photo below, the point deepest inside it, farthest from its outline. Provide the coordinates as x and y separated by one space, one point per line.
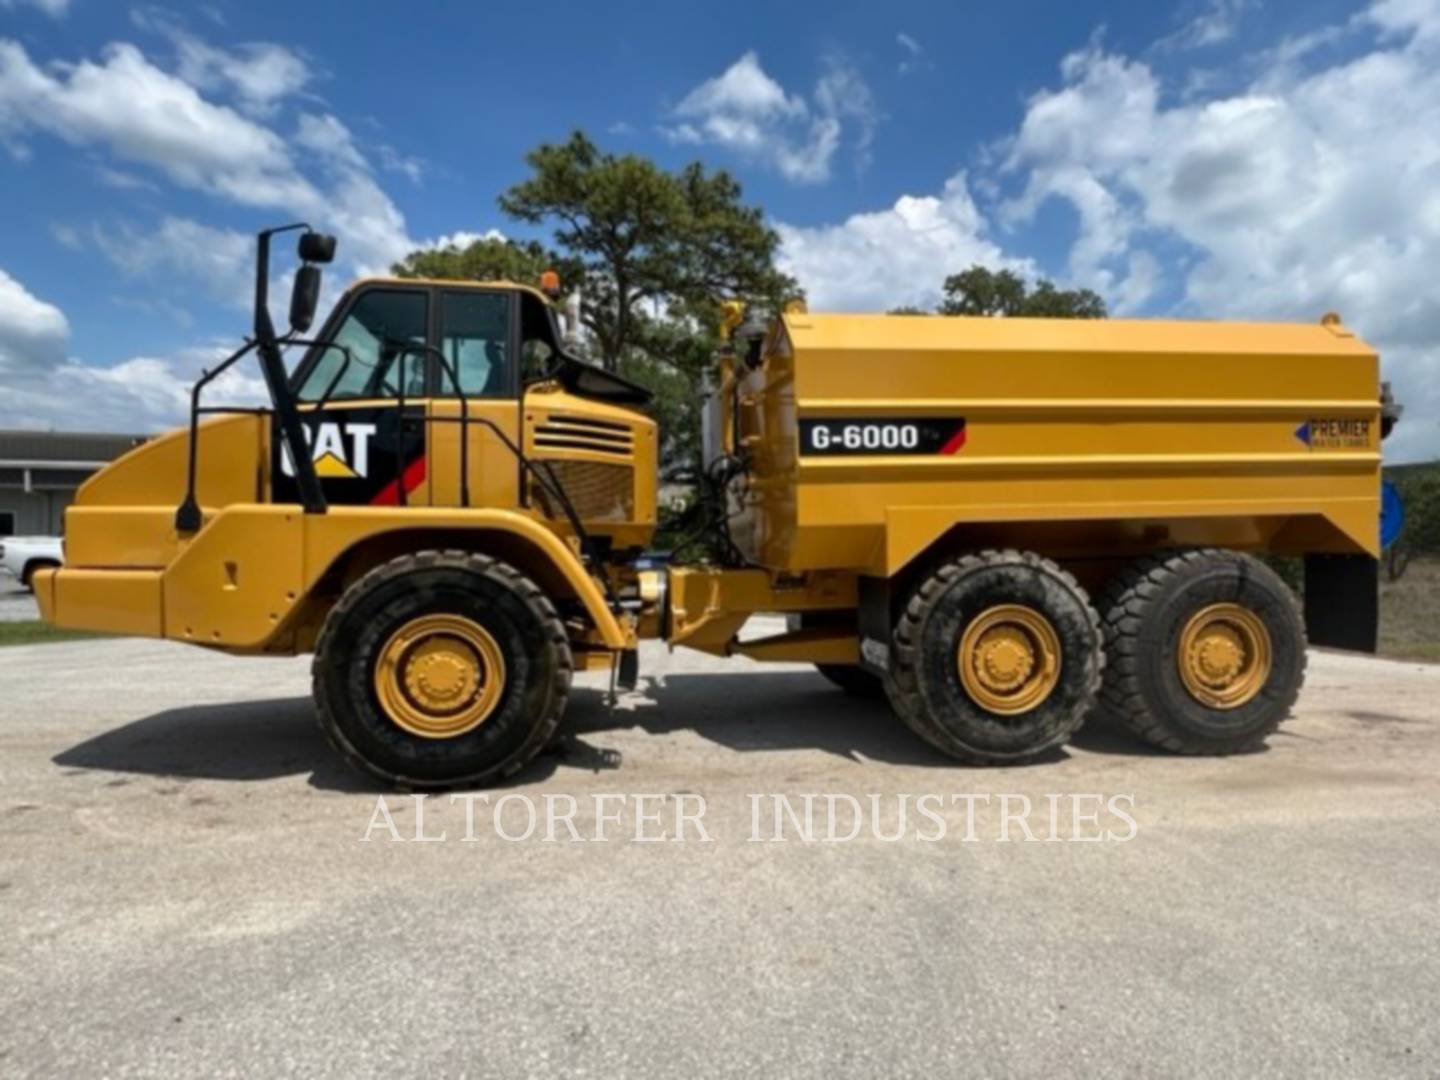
656 247
980 291
490 258
1419 487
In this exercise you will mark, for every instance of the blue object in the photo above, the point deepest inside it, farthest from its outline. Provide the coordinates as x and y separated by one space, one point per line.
1392 514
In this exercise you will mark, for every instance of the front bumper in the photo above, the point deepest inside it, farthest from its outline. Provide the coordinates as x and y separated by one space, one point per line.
125 602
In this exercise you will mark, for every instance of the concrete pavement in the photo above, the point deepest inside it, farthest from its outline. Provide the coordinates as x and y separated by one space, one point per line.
184 890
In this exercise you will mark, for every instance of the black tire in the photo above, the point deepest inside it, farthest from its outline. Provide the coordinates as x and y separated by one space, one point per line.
924 683
27 575
507 605
1144 612
854 680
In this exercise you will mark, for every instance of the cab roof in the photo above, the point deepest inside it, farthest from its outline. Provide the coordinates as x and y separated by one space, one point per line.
449 283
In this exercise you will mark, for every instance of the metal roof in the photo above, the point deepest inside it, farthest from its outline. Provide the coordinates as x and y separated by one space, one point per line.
63 446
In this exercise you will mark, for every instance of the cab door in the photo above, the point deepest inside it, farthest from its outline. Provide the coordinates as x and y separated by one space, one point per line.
363 404
476 356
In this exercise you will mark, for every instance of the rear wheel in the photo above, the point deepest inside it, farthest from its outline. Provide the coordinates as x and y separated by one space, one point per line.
1206 648
441 668
854 680
996 657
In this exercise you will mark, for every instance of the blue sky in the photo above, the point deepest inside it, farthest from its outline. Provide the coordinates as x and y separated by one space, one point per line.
1206 158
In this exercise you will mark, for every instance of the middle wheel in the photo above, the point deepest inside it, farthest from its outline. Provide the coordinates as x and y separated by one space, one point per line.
996 657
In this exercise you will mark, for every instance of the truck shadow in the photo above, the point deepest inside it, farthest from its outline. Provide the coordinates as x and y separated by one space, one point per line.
759 712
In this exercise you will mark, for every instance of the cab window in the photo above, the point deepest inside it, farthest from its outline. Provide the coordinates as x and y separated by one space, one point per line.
475 338
377 325
538 348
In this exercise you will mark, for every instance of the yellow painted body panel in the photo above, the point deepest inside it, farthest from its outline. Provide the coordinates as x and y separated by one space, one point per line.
708 605
237 584
1099 436
116 601
562 428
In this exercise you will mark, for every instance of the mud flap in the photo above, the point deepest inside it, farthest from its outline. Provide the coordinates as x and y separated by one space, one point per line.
1342 601
877 621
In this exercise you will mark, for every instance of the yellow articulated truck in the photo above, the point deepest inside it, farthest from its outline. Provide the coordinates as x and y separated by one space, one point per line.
999 525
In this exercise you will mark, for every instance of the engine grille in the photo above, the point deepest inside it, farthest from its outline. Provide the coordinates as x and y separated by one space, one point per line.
560 431
599 490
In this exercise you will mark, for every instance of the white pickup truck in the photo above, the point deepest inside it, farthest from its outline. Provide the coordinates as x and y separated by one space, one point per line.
23 555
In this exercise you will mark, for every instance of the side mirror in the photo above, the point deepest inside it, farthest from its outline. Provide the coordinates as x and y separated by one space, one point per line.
316 248
304 298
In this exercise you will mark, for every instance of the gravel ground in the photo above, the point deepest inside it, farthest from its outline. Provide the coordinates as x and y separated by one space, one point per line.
185 890
16 604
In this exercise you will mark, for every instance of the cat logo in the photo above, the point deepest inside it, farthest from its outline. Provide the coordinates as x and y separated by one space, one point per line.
340 451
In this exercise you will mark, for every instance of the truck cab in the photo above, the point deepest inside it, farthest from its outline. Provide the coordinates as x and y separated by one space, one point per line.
455 403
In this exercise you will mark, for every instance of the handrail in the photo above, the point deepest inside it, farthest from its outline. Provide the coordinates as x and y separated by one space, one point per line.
548 479
403 348
188 517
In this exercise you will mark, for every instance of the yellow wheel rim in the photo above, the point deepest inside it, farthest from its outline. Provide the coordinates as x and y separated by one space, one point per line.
1009 659
1224 655
440 676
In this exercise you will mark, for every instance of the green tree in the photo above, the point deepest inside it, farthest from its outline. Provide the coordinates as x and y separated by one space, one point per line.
487 259
980 291
1420 493
656 247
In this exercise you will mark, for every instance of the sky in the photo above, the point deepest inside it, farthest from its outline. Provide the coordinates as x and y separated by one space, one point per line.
1216 159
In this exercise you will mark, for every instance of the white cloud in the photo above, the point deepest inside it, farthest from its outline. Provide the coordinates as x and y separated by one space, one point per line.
46 388
32 331
392 160
460 240
329 138
146 125
1317 188
145 116
1216 24
888 258
53 8
746 111
913 58
260 74
149 118
220 260
66 235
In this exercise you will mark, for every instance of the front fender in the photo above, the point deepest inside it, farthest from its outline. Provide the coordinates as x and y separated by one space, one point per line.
341 529
240 581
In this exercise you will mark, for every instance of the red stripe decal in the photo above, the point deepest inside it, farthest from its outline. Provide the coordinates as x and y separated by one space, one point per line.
955 442
412 478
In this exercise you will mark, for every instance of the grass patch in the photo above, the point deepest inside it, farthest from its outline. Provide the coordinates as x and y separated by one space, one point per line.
1408 627
35 632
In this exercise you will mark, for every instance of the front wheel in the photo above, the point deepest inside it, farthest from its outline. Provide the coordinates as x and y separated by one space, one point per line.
441 668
